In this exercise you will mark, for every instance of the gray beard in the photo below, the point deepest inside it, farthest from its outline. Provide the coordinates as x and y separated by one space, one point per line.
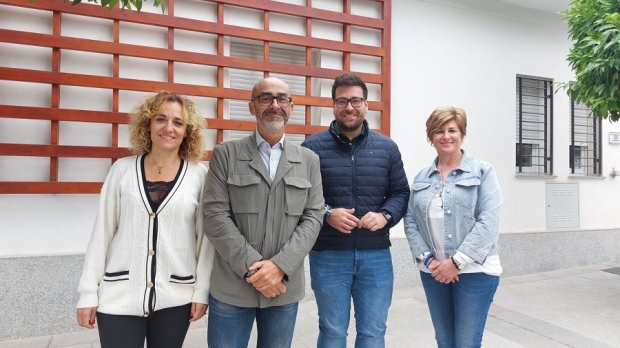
273 125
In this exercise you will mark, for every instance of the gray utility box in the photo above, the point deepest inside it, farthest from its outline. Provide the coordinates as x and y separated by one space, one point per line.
562 201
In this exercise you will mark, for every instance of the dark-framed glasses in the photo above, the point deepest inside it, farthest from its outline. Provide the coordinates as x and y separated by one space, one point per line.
267 99
355 102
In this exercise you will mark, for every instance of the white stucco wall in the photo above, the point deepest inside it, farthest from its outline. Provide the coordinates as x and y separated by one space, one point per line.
446 54
442 54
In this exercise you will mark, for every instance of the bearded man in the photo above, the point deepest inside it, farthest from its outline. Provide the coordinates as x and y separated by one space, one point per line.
366 192
263 209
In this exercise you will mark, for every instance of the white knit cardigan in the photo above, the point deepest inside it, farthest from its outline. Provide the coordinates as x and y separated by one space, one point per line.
125 272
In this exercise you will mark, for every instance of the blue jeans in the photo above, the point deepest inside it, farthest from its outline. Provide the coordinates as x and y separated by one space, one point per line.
364 275
459 310
230 326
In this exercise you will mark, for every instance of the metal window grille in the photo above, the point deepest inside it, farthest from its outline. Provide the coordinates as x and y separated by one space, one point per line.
585 141
534 116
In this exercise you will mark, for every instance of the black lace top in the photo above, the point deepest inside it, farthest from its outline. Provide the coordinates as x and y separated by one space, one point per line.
157 191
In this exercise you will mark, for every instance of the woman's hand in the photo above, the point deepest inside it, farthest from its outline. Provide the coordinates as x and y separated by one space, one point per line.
444 271
86 317
198 311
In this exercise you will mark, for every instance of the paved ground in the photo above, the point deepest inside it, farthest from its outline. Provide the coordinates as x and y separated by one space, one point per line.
578 307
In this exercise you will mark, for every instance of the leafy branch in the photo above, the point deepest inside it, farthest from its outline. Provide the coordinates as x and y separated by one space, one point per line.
124 4
594 27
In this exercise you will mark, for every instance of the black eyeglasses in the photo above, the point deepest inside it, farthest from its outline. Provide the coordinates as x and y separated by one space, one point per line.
267 99
355 102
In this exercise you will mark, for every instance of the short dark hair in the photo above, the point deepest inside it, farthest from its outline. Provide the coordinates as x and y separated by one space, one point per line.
349 80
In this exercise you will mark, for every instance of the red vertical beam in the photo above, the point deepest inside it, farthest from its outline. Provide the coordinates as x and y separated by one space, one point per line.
386 68
308 108
115 91
55 102
220 71
346 37
170 9
266 43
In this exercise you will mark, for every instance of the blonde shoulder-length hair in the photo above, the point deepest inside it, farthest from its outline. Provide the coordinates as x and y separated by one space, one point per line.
192 147
441 116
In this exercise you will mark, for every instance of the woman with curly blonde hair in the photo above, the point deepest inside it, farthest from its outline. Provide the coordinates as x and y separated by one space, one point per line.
191 148
148 266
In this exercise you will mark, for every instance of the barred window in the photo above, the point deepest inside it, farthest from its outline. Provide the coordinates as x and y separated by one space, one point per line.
585 141
534 137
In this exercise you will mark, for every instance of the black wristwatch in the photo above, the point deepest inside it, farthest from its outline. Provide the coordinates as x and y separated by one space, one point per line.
387 216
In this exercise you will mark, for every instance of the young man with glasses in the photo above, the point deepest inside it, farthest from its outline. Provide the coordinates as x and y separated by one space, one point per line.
263 209
366 192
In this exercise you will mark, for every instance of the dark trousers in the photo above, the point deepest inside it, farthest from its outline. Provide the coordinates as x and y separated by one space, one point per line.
164 328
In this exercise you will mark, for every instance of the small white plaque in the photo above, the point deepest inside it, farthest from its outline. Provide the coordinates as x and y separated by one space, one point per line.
614 138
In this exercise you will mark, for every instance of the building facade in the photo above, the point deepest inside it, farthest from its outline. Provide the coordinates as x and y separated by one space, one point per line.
498 60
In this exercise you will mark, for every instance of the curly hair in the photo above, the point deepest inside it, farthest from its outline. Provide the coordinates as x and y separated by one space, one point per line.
441 116
192 147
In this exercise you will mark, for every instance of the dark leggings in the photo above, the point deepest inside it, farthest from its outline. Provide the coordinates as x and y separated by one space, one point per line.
165 328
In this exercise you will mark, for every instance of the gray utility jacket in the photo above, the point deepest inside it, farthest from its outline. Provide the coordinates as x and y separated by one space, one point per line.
248 218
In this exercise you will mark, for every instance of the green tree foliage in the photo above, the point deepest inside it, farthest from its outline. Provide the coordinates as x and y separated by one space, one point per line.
594 27
124 4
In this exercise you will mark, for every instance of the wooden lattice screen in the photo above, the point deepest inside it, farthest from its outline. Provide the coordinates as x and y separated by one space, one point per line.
55 78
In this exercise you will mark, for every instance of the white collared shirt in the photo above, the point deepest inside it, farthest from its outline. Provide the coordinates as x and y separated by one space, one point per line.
270 154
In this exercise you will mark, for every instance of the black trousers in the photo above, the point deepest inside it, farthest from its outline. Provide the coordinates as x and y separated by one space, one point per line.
165 328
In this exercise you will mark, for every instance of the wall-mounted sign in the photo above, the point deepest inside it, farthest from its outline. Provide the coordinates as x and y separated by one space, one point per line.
614 138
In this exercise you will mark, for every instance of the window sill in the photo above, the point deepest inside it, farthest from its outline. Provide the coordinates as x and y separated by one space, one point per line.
534 176
586 177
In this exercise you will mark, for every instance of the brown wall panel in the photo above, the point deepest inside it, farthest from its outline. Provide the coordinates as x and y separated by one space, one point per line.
56 79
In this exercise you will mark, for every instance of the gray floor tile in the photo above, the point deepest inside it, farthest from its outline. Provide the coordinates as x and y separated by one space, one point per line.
36 342
73 339
577 308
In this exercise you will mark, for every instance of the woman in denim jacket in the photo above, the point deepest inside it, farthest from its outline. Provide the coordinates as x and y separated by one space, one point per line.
452 225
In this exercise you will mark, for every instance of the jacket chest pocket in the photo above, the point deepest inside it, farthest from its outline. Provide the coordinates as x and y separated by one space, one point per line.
467 192
418 190
244 192
296 194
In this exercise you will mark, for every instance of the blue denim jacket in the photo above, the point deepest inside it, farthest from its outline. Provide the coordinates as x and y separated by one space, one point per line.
472 200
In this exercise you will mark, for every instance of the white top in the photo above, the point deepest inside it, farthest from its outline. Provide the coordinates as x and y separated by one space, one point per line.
270 154
128 238
436 223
